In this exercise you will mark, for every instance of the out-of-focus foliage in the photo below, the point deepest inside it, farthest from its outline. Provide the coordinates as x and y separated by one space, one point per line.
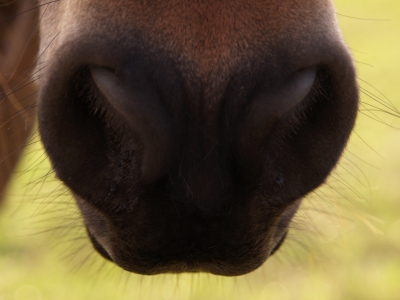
344 244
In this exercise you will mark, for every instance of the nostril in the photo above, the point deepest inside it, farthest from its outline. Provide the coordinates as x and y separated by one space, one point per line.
163 182
136 100
299 86
111 87
271 101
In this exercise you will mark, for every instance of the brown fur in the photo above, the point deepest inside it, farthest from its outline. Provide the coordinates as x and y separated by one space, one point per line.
18 48
176 125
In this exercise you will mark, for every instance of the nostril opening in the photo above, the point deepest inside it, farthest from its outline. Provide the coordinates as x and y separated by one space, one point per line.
300 86
273 100
135 98
163 183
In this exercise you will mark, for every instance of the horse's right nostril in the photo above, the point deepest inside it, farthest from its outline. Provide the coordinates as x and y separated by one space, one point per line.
133 97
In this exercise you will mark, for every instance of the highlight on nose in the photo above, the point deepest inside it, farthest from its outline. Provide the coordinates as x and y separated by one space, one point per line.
137 102
275 101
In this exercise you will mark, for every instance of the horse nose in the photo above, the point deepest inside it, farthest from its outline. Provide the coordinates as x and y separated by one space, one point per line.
136 102
133 98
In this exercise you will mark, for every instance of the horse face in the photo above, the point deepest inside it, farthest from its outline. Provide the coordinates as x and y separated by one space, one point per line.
189 131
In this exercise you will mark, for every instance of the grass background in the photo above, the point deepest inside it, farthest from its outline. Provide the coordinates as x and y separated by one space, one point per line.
344 244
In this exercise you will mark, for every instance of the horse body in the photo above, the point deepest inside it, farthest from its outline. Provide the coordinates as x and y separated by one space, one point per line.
189 131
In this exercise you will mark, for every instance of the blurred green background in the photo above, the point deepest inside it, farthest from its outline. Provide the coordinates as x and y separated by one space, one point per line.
344 243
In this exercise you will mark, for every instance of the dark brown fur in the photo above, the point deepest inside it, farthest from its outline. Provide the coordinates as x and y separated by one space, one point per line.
172 124
18 49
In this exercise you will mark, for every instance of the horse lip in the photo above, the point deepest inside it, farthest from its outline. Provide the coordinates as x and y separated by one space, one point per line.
99 247
279 244
98 236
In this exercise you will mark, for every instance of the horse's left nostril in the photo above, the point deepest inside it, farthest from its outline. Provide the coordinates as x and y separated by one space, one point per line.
277 100
134 98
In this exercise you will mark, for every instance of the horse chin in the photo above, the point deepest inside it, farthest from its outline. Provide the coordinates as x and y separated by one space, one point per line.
150 241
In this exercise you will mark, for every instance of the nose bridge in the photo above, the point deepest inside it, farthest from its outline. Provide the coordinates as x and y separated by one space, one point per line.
205 156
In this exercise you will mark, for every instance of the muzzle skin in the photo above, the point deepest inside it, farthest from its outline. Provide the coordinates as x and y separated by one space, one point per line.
189 131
